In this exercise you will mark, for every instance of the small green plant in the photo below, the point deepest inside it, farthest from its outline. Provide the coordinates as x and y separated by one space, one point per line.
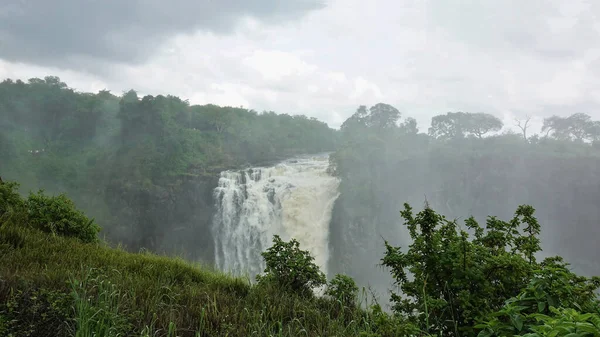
343 289
291 268
58 215
96 308
3 326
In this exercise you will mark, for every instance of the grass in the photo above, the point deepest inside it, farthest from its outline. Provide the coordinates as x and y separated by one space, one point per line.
57 286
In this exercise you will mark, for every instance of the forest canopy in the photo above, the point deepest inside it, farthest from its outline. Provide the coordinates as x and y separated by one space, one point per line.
124 158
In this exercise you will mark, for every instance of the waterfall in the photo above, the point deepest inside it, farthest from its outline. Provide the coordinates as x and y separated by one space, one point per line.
293 199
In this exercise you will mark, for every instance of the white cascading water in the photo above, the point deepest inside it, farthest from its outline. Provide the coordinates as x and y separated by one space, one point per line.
293 199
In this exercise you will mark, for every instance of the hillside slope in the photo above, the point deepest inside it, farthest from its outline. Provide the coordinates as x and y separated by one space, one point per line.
44 280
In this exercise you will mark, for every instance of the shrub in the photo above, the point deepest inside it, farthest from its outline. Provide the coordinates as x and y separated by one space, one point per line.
59 216
11 203
344 289
290 267
551 305
456 280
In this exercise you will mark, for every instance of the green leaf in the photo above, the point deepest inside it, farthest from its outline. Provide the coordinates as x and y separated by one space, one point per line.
485 333
517 322
587 327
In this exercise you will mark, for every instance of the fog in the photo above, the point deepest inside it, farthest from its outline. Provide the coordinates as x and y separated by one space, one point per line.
138 111
384 162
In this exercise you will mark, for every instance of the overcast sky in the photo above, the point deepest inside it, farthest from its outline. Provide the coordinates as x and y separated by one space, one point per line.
321 58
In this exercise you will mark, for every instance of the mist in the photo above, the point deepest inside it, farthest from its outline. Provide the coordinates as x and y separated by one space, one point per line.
185 129
148 169
143 167
383 162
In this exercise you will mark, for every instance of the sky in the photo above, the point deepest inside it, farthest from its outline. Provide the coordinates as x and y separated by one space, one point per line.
320 58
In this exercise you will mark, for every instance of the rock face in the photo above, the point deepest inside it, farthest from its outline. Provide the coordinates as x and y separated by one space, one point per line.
172 219
192 214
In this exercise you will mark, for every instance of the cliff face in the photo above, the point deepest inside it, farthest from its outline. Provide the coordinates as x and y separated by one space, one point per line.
172 218
564 191
189 233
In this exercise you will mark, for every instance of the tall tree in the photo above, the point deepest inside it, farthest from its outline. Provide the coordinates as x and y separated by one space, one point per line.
578 126
382 116
523 125
379 116
481 123
454 125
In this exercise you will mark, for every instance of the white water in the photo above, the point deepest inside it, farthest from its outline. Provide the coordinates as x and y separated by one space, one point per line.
293 199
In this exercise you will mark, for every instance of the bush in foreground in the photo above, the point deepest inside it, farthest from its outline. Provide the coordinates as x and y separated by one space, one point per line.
58 215
343 289
291 268
457 281
51 214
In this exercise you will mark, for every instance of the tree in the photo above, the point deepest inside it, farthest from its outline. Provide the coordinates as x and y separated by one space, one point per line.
578 126
481 123
454 125
356 120
523 126
409 126
380 116
593 131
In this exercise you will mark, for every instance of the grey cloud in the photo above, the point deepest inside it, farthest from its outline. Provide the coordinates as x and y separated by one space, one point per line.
54 33
553 29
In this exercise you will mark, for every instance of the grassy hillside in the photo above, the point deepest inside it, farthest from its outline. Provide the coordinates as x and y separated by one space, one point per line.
45 281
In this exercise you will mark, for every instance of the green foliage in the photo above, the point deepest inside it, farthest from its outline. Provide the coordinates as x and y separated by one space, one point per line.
291 268
491 285
577 127
11 204
384 325
560 322
455 280
551 305
343 289
132 162
456 125
3 326
58 215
